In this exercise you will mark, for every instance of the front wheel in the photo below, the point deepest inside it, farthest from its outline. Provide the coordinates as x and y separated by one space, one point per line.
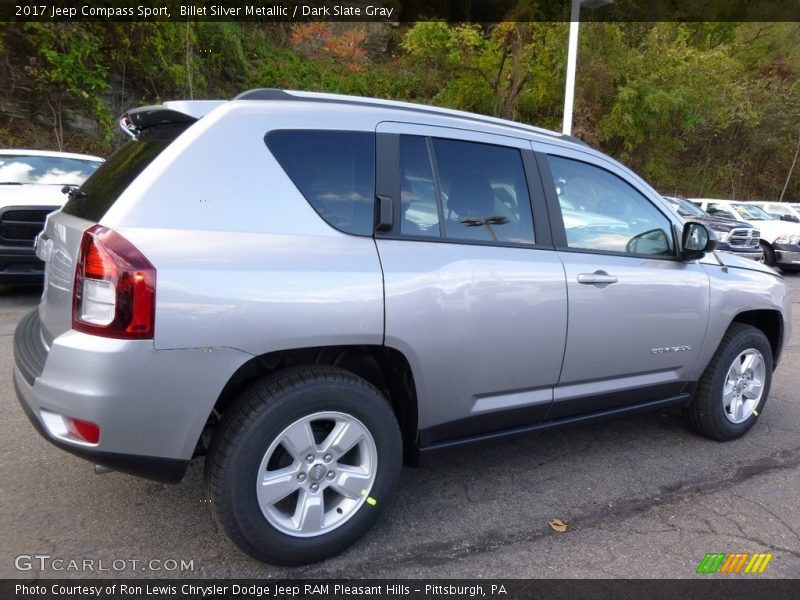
734 387
769 254
302 465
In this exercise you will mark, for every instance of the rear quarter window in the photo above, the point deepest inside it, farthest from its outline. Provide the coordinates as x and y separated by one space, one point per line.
335 172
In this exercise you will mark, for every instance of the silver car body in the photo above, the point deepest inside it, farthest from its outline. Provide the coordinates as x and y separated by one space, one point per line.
495 336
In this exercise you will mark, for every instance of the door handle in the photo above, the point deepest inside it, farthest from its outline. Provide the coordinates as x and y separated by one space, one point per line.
596 277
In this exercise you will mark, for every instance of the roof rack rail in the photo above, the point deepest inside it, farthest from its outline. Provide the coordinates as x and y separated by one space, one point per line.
297 96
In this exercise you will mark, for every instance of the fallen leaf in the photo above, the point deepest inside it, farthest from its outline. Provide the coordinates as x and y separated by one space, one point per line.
558 525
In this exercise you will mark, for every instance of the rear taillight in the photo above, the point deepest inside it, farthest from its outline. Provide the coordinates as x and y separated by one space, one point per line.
115 287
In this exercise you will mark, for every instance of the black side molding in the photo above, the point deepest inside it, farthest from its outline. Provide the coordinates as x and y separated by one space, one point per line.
511 432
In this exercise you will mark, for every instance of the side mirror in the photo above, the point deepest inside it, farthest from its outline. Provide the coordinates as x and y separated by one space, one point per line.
696 241
791 218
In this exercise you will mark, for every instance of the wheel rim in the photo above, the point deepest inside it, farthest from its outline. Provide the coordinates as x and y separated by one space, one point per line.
316 474
744 385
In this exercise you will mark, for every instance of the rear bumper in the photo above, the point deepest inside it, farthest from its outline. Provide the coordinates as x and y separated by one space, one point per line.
151 405
165 470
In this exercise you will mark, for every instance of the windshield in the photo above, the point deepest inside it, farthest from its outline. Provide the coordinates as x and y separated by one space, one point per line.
685 208
51 170
748 211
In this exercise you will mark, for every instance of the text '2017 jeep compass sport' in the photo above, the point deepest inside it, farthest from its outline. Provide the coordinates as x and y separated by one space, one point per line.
306 288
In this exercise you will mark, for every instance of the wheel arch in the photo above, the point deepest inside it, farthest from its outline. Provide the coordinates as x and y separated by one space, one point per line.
770 322
385 368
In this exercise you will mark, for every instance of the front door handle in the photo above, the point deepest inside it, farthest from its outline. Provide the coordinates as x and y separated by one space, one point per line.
596 277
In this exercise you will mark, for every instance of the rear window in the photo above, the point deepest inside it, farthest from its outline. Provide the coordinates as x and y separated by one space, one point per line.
334 170
50 170
106 184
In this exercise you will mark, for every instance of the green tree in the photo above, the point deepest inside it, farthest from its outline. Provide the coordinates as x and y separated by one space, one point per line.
69 67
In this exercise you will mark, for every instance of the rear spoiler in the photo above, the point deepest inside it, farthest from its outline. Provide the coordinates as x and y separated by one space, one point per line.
137 120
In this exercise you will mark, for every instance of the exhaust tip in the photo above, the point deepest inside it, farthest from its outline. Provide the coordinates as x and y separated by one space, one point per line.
101 470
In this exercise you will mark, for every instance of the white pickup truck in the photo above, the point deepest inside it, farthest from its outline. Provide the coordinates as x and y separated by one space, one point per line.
779 239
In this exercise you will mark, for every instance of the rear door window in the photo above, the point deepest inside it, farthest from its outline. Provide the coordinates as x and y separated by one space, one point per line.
484 192
334 170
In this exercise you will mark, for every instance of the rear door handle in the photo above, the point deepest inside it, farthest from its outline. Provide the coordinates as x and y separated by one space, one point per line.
596 277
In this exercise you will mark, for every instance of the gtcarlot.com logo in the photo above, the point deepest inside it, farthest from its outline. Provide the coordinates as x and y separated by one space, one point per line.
736 562
46 562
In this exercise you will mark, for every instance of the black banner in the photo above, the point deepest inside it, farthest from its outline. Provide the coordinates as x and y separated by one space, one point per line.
394 11
723 587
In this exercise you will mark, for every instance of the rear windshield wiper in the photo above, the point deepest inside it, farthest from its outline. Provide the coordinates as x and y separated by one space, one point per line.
10 183
72 192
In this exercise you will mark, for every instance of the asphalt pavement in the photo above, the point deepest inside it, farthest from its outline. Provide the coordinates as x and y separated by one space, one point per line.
641 497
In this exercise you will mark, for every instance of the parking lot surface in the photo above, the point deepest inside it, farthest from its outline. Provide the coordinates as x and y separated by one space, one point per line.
641 496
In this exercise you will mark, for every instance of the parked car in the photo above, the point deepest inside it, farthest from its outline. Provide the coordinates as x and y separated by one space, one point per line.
780 240
780 210
243 280
736 237
31 183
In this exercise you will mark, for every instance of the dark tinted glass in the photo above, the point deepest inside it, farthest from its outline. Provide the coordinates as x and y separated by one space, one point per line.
420 216
103 188
484 192
334 170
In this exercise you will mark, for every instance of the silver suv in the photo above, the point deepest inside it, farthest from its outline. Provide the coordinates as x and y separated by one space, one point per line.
309 288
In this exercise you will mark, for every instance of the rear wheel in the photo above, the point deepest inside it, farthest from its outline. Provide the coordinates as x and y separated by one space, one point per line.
734 388
302 465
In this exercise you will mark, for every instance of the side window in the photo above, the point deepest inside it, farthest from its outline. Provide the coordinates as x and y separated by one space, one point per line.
484 192
334 170
603 212
419 213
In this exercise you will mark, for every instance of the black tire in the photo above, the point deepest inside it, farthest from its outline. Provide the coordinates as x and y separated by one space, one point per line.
256 420
706 414
769 254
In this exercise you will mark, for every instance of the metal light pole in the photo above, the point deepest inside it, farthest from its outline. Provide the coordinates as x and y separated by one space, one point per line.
572 57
